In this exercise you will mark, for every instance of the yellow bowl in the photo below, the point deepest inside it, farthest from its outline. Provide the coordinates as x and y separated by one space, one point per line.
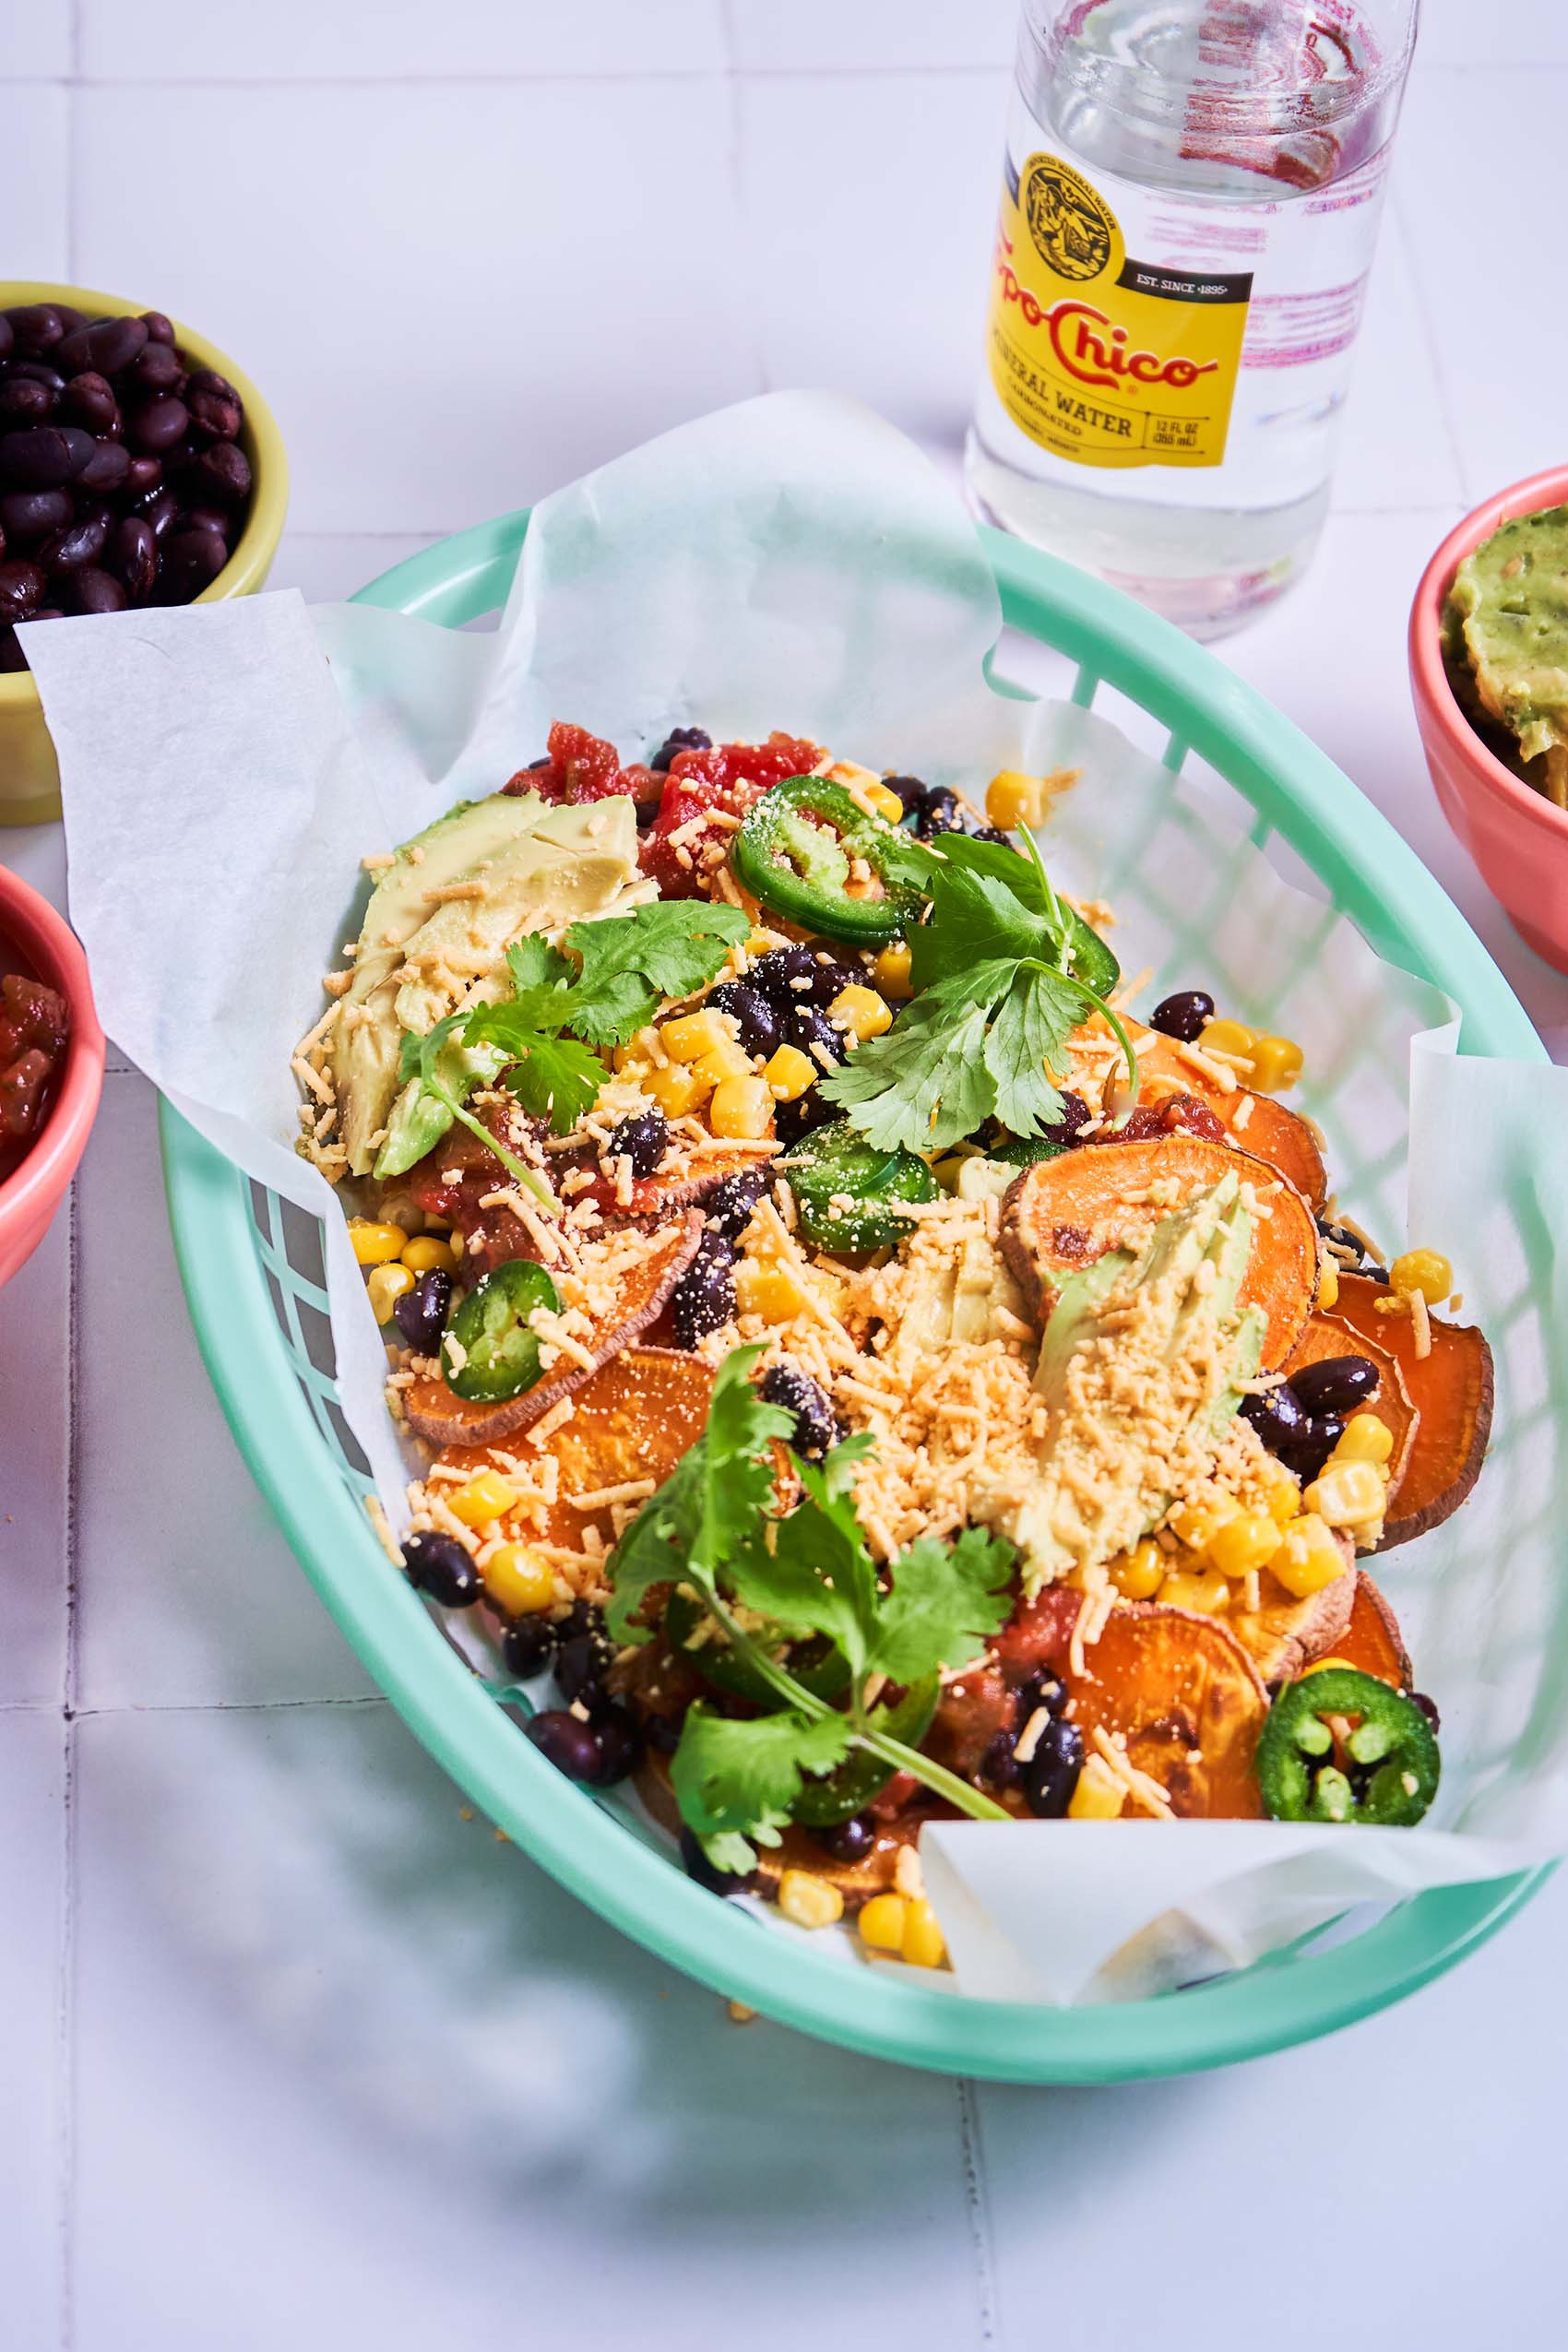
30 778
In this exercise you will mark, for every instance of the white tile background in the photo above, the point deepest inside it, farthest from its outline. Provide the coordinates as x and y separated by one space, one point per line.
286 2051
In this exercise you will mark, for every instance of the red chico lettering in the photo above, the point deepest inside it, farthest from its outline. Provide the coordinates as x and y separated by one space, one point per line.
1099 358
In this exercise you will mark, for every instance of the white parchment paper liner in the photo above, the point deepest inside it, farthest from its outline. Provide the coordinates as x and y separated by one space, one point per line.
794 562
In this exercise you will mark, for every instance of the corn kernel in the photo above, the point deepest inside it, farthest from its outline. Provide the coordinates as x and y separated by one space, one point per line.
484 1498
697 1033
1099 1796
376 1245
884 800
1283 1495
428 1254
1276 1063
629 1061
1209 1594
519 1580
1346 1494
1323 1664
861 1010
1328 1284
1138 1574
775 1292
810 1901
1248 1542
455 1244
741 1106
1013 799
1198 1523
1364 1439
676 1088
925 1946
1308 1558
1426 1271
386 1285
789 1073
891 970
1227 1037
726 1061
881 1922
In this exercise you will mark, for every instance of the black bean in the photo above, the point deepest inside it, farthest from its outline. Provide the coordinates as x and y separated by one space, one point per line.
939 812
159 329
1277 1417
32 513
999 1765
620 1746
80 542
23 402
756 1020
708 1874
207 379
806 1027
421 1313
644 1139
995 833
210 519
217 414
792 1121
777 972
45 457
143 476
222 472
12 658
582 1662
910 790
796 1392
831 978
192 561
1306 1454
438 1565
157 369
107 346
1051 1774
848 1841
158 425
22 587
1429 1708
728 1206
1335 1384
564 1741
162 510
106 468
527 1647
1044 1690
663 1733
89 400
678 739
95 590
7 335
704 1298
1183 1015
38 327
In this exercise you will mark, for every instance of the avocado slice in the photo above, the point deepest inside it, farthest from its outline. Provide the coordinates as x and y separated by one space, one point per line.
1058 1528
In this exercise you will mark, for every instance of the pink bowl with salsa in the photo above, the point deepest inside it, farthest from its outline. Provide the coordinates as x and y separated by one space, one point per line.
58 1098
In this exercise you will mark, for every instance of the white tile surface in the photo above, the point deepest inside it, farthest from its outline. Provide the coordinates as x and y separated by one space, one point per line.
371 2079
186 1593
34 1383
34 233
907 195
871 36
592 284
32 2139
35 39
1521 33
394 40
325 568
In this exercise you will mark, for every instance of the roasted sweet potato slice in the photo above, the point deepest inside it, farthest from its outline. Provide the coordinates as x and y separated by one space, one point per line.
630 1422
654 1198
432 1411
1189 1702
1372 1640
1327 1337
1063 1212
1283 1634
1451 1393
1255 1123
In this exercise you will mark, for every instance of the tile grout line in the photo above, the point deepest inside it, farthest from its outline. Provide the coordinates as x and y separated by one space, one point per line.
976 2206
1429 339
735 174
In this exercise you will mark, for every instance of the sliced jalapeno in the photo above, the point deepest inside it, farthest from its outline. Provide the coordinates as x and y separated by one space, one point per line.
794 851
844 1188
496 1355
851 1788
814 1664
1382 1770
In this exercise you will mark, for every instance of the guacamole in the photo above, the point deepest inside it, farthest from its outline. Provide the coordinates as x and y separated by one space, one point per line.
1505 642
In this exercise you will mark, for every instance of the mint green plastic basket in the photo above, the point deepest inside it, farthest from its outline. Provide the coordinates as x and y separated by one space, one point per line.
251 1267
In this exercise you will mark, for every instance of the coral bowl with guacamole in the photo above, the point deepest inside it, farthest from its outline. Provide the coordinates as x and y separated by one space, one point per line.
1489 673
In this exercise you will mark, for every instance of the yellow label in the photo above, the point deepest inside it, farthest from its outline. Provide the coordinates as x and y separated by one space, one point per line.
1099 358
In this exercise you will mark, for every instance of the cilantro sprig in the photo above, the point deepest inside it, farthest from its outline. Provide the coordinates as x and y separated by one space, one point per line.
995 1003
619 972
805 1572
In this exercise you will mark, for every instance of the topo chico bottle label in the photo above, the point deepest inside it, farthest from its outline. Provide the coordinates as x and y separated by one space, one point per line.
1100 358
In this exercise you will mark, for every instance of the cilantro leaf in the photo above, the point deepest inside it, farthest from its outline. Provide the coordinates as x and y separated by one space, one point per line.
945 1600
740 1778
709 1513
924 1085
975 922
420 1058
630 962
556 1078
817 1573
1026 1042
